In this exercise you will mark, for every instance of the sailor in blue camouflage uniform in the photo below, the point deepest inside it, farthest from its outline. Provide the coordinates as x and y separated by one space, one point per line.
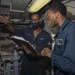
63 55
39 38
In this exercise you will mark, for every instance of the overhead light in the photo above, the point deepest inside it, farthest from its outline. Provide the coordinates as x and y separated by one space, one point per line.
38 4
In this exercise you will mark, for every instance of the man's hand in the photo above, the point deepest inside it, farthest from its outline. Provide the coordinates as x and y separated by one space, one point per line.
4 20
7 22
46 52
26 50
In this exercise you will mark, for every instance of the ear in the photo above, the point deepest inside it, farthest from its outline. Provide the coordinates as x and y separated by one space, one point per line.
57 14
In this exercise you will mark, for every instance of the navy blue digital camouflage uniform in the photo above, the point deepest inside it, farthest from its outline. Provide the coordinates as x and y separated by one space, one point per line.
63 58
31 65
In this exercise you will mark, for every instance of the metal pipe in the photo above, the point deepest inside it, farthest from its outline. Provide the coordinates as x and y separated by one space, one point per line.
25 8
8 68
0 64
16 63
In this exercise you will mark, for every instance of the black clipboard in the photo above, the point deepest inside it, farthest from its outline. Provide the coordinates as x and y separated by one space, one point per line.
21 41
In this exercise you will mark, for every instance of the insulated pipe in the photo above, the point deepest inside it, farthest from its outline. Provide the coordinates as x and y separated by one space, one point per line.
0 64
8 67
16 63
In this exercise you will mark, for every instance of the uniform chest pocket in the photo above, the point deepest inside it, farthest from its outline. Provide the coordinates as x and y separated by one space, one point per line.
41 40
59 49
59 46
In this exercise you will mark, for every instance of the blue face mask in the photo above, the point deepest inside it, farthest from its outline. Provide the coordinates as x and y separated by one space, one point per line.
36 25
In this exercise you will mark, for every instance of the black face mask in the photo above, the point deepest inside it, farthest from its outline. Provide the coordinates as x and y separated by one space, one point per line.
36 25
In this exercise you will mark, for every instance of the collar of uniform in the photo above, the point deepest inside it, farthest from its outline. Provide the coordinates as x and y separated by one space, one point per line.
64 25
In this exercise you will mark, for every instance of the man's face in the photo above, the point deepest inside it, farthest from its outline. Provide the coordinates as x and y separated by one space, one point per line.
50 15
51 18
35 18
36 21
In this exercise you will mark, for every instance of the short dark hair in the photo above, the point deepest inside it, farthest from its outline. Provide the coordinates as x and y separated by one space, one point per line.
37 13
58 7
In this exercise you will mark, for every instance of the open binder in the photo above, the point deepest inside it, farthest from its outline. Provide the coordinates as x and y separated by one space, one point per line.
21 41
